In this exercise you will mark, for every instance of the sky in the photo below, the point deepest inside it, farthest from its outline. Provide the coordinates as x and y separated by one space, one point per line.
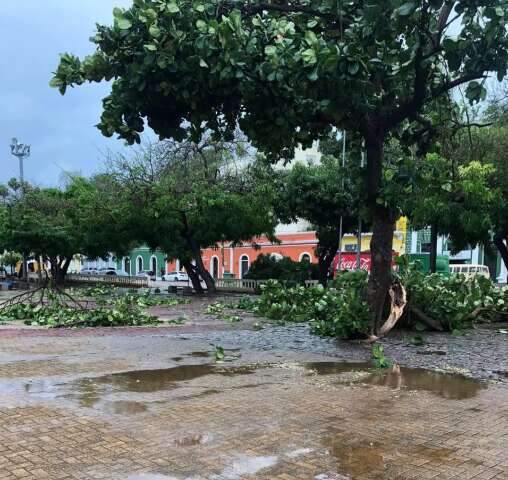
60 129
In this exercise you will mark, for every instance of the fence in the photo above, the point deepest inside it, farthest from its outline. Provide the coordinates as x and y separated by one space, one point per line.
247 286
139 282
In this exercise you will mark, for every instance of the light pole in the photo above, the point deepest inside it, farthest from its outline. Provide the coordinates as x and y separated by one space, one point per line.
21 151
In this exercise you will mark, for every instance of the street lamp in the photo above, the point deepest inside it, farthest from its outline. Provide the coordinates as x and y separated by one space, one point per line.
21 151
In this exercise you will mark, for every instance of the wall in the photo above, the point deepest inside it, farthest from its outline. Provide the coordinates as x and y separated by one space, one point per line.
146 255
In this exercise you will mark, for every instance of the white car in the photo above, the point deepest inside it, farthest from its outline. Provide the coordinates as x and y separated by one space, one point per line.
89 271
175 277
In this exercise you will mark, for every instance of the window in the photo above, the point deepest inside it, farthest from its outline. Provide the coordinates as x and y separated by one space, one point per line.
139 264
244 265
154 264
351 247
305 257
127 265
425 247
214 267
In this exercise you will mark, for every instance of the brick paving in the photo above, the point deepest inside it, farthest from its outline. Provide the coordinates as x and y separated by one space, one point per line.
68 412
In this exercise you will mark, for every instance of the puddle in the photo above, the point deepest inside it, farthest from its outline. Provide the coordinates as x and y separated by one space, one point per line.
124 407
244 465
148 381
450 386
358 458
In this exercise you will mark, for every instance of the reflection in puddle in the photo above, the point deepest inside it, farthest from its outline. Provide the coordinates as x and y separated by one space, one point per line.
358 458
147 381
453 387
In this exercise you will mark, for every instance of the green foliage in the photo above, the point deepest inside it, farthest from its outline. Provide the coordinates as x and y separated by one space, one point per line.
379 358
267 267
218 310
285 74
219 354
124 312
287 304
342 311
454 300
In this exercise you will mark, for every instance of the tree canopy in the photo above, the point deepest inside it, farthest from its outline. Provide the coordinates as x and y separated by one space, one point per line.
185 197
288 72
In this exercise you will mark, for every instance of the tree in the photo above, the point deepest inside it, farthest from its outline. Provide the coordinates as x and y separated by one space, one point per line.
455 200
321 194
10 259
185 197
287 72
57 224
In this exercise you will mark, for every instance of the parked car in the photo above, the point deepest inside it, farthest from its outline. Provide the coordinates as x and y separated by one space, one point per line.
112 271
145 273
89 271
175 277
470 270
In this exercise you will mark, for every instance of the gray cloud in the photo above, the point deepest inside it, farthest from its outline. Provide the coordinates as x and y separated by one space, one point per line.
60 129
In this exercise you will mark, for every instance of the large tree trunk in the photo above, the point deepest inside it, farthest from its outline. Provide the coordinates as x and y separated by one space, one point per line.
383 227
204 273
380 279
194 277
63 267
433 248
499 241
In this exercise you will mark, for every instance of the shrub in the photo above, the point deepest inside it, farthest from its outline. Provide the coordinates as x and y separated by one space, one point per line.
456 301
267 267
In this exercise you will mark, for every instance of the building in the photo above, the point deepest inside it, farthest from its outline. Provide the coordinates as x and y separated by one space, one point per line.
142 259
296 242
418 241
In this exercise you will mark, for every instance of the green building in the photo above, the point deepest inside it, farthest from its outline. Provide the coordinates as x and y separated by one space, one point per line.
142 259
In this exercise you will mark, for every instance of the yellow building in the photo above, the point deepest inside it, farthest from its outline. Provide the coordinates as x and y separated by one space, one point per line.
350 241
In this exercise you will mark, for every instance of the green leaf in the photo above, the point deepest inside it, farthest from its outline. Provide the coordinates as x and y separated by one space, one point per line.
202 26
151 47
173 7
310 37
124 24
270 50
406 9
155 31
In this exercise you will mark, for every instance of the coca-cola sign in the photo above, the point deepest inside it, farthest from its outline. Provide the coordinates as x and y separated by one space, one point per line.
348 261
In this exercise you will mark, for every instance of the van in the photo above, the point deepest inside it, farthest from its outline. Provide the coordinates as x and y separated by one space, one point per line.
470 270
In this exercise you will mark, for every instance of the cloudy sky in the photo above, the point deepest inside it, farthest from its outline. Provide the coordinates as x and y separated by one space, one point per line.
60 129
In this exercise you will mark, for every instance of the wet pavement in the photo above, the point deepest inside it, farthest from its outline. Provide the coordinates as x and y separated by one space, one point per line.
153 404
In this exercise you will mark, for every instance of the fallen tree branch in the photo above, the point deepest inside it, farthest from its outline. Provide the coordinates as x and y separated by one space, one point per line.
424 318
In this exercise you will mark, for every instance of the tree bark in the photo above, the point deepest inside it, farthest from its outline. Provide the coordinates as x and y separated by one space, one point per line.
194 277
499 241
326 257
433 248
63 267
204 273
383 227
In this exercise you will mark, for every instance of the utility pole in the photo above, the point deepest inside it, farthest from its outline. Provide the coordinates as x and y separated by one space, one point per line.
341 224
360 226
21 151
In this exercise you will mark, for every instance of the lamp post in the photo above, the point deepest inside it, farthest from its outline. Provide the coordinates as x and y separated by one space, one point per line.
21 151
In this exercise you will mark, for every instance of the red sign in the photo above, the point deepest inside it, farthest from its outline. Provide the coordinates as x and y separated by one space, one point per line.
348 262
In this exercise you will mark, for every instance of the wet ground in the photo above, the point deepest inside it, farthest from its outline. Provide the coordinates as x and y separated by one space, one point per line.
153 404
